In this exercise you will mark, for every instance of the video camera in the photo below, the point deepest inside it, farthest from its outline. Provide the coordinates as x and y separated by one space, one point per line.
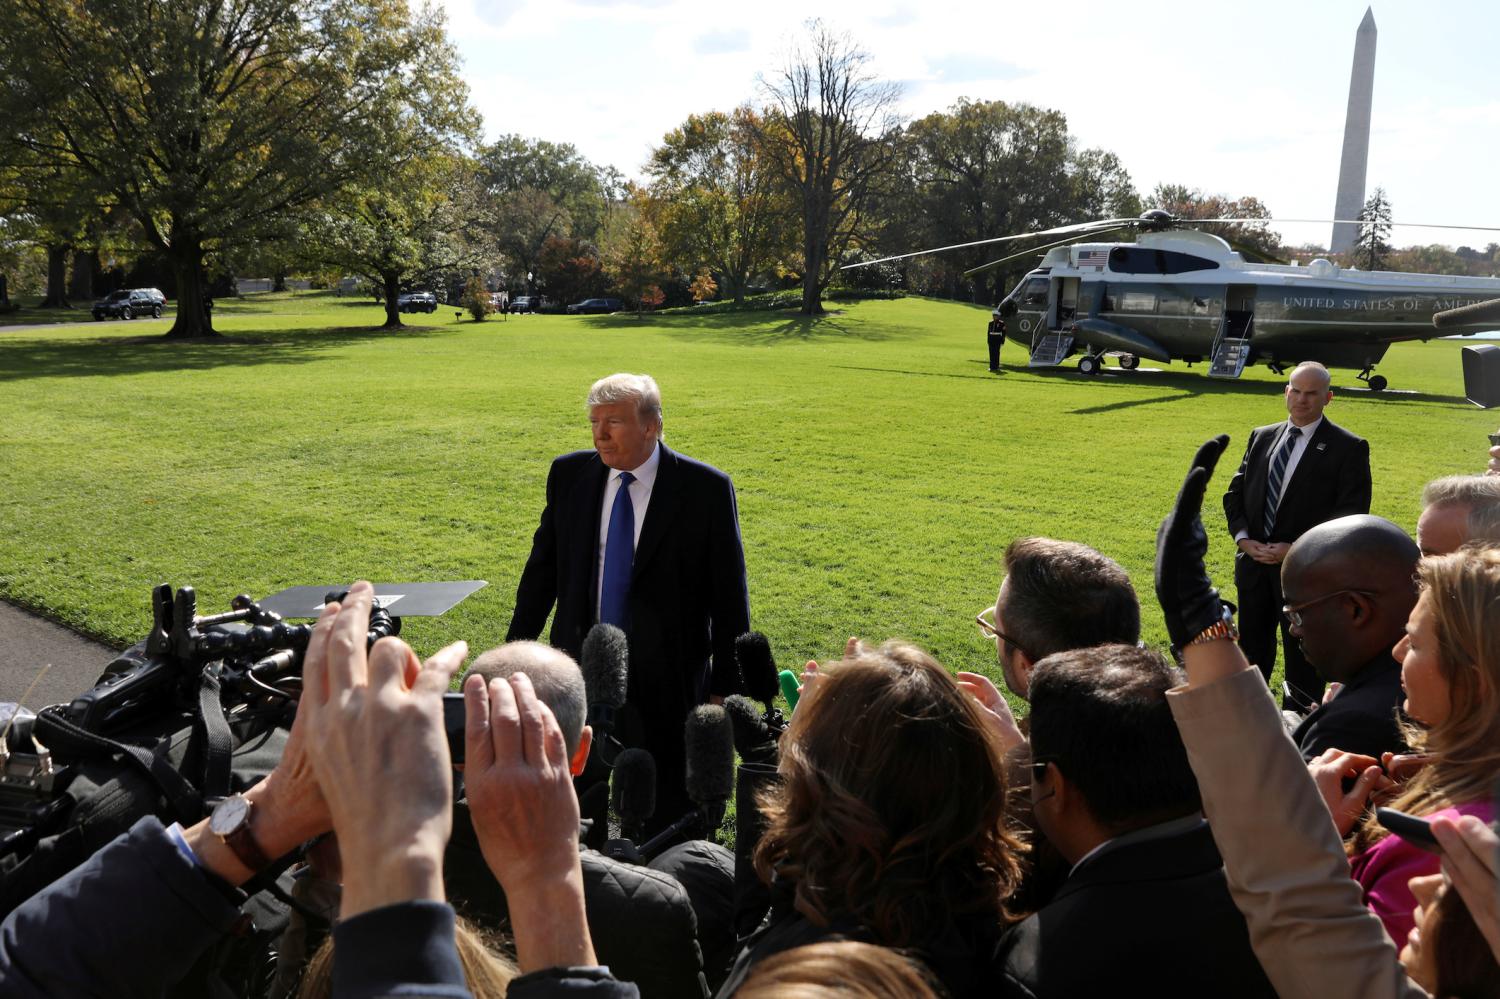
197 710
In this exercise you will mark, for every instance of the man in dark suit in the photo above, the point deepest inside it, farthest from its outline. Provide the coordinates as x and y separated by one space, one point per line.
1113 790
1294 475
636 535
1350 585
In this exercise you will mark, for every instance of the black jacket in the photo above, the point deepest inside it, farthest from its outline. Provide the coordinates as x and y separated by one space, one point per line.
1152 917
1332 480
1362 718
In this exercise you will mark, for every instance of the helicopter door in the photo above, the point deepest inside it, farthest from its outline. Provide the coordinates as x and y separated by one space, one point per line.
1067 302
1239 311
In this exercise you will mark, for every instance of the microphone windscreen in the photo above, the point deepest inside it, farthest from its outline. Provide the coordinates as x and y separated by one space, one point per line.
789 684
710 755
633 790
753 652
604 661
747 724
1466 315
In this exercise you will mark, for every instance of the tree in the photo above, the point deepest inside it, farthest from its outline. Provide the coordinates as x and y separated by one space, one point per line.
718 203
476 298
208 120
1373 244
569 269
524 220
633 253
512 164
1255 237
826 130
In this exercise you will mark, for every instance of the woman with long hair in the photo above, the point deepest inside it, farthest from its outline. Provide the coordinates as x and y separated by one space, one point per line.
888 825
1450 670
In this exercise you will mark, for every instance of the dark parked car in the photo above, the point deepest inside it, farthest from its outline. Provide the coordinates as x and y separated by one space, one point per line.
128 303
417 301
596 305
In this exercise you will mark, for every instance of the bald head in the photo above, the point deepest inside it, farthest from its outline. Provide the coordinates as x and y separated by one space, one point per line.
1371 559
554 676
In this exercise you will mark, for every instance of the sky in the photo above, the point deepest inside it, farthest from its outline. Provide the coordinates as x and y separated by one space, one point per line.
1235 99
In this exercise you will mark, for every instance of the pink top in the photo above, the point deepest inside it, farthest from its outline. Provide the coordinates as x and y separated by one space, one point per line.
1384 869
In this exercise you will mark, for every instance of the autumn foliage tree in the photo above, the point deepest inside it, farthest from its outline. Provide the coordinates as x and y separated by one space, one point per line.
1254 236
633 253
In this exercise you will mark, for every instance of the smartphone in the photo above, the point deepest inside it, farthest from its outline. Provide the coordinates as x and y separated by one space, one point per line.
1417 832
453 724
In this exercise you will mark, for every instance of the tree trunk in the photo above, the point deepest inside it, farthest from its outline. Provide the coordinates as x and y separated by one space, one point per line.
4 292
81 285
278 282
57 278
193 318
392 280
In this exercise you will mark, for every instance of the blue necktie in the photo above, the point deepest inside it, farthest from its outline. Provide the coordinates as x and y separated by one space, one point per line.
619 555
1273 481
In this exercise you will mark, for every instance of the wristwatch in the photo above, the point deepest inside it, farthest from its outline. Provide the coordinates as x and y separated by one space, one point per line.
1220 630
230 822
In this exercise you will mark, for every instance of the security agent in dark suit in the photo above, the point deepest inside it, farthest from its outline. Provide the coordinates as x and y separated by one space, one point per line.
1294 475
636 535
1112 789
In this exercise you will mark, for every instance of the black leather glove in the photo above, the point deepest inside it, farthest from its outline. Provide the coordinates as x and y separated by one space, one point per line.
1187 596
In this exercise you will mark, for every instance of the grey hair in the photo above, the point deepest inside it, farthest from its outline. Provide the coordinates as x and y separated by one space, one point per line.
554 676
1323 374
622 387
1480 493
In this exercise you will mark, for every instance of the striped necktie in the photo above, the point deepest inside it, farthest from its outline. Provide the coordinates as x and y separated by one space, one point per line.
1273 481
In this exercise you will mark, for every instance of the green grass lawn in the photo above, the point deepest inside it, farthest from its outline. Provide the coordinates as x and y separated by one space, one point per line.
881 469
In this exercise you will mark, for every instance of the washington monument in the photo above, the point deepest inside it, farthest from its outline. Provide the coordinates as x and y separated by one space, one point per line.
1351 196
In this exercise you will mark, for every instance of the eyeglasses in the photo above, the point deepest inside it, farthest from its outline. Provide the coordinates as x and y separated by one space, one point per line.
988 629
1294 614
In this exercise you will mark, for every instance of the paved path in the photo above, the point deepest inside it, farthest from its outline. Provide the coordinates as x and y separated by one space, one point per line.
29 642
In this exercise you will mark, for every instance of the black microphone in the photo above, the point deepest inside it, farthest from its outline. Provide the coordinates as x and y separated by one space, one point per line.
754 740
758 747
710 778
758 669
605 663
633 797
633 791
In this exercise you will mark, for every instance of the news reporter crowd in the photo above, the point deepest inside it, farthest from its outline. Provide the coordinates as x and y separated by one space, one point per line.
1150 827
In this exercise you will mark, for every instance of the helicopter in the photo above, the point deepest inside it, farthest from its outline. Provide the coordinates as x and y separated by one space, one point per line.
1178 293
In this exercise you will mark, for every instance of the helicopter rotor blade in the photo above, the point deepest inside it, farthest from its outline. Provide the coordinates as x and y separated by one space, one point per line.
1079 227
982 268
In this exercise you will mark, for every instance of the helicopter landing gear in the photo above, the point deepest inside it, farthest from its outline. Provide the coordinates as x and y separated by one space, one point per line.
1276 369
1129 362
1089 364
1377 383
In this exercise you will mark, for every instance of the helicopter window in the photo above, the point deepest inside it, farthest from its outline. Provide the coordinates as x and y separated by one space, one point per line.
1141 260
1035 293
1137 301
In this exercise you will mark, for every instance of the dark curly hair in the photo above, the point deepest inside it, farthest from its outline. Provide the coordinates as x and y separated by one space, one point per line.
891 810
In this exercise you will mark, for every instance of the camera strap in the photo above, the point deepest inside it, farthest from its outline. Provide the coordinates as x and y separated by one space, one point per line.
211 728
68 739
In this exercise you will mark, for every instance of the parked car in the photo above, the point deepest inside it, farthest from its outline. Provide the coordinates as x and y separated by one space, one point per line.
417 301
531 303
595 305
127 303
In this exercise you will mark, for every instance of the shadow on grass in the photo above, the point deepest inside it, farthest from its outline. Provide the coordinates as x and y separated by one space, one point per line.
761 329
21 360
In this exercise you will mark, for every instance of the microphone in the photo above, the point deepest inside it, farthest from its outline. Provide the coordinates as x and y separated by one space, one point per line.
753 653
758 669
709 736
1467 315
759 754
789 684
605 663
633 797
754 738
633 791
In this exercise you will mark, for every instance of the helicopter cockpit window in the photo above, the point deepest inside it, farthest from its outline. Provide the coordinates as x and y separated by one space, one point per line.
1035 293
1141 260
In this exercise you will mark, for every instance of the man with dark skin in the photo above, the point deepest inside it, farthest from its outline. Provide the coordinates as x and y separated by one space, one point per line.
1349 587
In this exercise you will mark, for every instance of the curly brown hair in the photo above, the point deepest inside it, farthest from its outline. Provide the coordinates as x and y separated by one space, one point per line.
891 810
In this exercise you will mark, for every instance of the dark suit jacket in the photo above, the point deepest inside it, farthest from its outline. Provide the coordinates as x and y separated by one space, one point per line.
1332 480
688 594
1361 719
1151 918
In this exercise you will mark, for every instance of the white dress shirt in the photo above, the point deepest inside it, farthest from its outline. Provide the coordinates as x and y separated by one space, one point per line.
1298 449
640 498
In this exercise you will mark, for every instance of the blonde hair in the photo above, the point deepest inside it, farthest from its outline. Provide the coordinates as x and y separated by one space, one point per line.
1463 595
487 973
839 969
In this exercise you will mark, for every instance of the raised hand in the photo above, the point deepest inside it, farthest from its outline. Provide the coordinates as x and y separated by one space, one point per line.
1187 596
